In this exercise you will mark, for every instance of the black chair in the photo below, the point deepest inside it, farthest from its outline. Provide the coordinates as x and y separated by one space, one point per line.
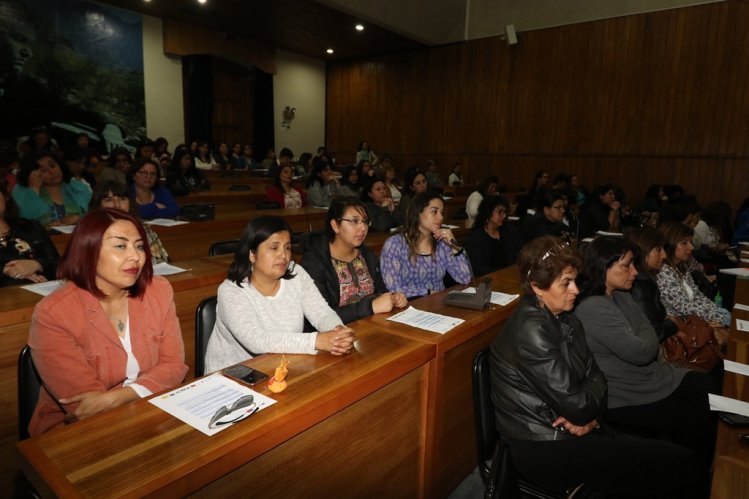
223 247
29 384
205 318
488 440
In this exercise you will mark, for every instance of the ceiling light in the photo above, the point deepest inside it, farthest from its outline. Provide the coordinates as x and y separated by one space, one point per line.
202 1
329 51
359 27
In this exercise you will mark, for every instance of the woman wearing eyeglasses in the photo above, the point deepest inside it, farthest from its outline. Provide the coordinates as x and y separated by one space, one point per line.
346 272
153 200
492 245
548 219
264 301
414 262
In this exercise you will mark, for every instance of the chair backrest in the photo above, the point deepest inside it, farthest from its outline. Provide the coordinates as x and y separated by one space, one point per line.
483 411
29 384
223 247
205 318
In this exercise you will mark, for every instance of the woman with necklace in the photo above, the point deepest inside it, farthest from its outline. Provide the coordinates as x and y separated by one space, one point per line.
414 262
153 200
110 334
264 301
346 272
27 253
492 245
283 192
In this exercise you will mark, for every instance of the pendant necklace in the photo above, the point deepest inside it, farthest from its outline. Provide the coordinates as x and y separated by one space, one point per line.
120 324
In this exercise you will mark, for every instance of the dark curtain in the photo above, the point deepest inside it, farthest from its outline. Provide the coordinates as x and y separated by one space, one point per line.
264 135
197 78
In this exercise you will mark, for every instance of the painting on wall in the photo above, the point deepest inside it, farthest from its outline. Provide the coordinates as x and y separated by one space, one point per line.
71 66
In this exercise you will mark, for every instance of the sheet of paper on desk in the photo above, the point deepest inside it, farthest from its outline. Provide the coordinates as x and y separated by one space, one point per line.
435 323
197 402
741 306
43 288
725 404
740 272
164 268
742 325
165 222
735 367
65 229
497 298
606 233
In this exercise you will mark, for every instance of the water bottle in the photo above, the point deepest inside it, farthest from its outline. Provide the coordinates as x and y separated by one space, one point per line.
718 300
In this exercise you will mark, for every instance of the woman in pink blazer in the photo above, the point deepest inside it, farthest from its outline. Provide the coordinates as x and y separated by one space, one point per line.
110 334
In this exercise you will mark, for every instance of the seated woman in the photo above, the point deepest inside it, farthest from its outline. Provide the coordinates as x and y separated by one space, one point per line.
263 303
600 212
679 293
223 157
365 153
116 196
487 187
350 185
283 192
118 166
548 219
27 253
204 159
414 262
644 393
416 183
645 288
321 185
381 210
492 245
455 179
44 192
153 200
183 176
388 176
550 396
345 271
110 334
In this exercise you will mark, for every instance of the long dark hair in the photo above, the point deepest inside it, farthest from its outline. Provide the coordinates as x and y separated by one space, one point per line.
599 256
255 233
486 208
646 239
411 232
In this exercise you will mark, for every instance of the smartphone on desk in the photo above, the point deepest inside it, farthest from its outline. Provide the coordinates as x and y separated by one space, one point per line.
245 374
734 419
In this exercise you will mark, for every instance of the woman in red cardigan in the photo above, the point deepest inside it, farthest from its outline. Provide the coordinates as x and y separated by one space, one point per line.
285 194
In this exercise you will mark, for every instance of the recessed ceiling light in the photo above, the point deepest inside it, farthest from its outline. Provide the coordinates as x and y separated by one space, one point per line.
329 51
202 1
359 27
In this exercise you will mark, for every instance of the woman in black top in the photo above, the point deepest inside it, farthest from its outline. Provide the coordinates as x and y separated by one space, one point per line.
345 271
492 245
27 253
183 177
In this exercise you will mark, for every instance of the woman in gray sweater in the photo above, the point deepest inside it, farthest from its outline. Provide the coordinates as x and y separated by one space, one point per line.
644 395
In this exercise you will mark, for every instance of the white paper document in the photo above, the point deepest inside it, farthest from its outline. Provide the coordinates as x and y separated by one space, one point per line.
735 367
65 229
741 306
740 272
44 288
742 325
497 298
165 222
164 268
725 404
605 233
197 402
435 323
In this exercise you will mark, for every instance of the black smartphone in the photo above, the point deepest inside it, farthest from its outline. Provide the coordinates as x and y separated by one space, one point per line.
734 419
245 374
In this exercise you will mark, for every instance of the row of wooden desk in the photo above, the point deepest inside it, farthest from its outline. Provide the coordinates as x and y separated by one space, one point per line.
731 465
392 418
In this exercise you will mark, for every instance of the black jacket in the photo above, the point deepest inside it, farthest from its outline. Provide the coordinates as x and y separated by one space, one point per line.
382 219
487 254
645 292
316 261
29 241
541 368
538 225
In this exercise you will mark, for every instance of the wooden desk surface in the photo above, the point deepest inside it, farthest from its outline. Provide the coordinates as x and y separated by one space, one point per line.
342 425
731 465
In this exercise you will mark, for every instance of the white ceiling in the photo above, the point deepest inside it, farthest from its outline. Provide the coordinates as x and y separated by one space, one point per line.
437 22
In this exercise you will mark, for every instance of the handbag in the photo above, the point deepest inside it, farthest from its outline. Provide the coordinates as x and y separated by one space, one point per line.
694 346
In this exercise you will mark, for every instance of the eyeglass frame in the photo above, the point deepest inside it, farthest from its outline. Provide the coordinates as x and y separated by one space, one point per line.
356 221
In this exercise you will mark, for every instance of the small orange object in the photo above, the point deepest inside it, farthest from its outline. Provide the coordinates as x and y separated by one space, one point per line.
277 382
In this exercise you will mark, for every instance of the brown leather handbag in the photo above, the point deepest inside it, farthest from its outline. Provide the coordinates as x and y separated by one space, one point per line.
694 346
